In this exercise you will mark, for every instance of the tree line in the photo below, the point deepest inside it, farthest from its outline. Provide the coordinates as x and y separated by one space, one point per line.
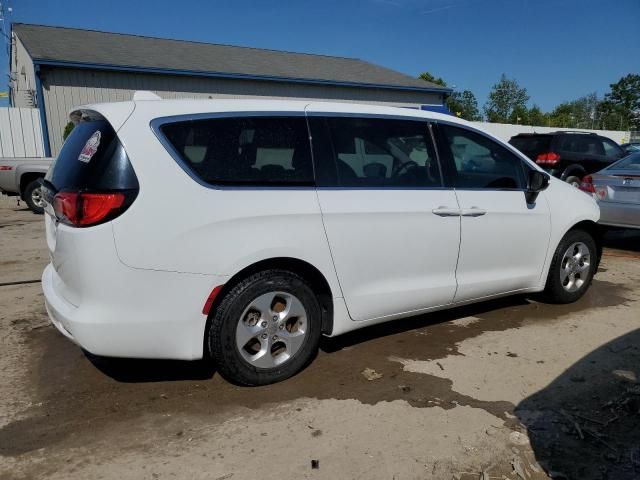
508 102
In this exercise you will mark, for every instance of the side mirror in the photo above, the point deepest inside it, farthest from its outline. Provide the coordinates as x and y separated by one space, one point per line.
537 182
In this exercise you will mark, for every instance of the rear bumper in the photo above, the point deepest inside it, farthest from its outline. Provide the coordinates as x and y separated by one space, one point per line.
59 310
626 215
144 314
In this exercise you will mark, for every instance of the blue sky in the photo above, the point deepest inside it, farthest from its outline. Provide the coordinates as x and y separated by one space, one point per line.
558 49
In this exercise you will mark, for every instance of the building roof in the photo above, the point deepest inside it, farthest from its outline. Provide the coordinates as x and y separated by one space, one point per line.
89 48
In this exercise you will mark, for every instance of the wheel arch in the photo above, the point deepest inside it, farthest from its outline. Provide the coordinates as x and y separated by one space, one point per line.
594 230
25 179
309 272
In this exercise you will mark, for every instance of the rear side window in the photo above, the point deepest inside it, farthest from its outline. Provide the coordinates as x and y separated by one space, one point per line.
532 145
244 150
581 144
92 159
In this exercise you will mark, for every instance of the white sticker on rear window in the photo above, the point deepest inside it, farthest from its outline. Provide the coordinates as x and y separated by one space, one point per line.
90 148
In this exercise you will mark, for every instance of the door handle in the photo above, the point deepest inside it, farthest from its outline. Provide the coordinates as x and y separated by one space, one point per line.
472 212
446 212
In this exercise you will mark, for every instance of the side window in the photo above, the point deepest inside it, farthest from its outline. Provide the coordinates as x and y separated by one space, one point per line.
479 162
379 152
590 145
244 150
581 144
611 150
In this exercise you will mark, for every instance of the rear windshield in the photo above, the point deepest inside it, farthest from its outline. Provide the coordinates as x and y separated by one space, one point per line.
532 145
92 158
631 162
244 150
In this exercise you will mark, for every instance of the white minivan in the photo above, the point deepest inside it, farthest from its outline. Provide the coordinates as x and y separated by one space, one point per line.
243 230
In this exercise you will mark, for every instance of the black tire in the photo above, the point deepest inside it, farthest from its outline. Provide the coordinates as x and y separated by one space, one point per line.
573 180
221 334
555 291
30 197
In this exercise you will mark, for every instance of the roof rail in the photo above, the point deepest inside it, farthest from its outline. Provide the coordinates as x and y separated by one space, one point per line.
145 95
582 132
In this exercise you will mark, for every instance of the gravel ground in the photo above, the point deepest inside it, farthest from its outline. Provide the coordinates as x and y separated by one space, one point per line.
504 389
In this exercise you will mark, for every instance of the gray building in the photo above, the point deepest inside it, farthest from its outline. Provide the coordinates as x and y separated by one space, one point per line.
55 69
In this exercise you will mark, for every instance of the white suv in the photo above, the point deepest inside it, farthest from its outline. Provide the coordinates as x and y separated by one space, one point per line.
245 230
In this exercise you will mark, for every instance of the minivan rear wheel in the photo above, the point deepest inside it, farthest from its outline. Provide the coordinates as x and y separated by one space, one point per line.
572 268
265 329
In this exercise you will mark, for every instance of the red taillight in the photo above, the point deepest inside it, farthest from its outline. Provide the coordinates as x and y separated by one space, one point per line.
550 158
587 185
5 167
87 209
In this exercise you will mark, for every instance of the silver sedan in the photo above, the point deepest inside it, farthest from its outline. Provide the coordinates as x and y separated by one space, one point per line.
617 191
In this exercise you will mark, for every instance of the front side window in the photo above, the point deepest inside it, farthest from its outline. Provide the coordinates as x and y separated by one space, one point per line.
479 162
380 152
244 150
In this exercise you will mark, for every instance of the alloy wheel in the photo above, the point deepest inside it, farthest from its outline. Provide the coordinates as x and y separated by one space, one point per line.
36 198
574 268
271 329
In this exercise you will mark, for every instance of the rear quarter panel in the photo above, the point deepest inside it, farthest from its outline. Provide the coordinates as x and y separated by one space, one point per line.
177 224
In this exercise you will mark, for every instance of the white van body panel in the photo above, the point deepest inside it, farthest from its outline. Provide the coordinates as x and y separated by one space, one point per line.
136 286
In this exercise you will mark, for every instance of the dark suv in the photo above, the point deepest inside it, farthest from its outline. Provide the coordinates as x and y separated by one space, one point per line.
568 155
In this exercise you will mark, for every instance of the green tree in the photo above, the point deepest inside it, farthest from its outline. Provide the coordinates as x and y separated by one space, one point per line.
579 113
519 115
537 117
505 96
464 104
427 77
621 106
67 130
612 116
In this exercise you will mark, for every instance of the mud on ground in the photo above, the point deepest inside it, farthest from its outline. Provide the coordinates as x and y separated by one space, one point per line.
510 388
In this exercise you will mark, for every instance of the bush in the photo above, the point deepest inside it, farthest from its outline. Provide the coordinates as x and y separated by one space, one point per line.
67 130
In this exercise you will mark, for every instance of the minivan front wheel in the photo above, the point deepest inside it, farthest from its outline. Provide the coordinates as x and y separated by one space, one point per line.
265 329
572 268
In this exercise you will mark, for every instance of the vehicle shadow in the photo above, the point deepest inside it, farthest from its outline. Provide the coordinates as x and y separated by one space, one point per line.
333 344
497 314
586 423
622 239
127 370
